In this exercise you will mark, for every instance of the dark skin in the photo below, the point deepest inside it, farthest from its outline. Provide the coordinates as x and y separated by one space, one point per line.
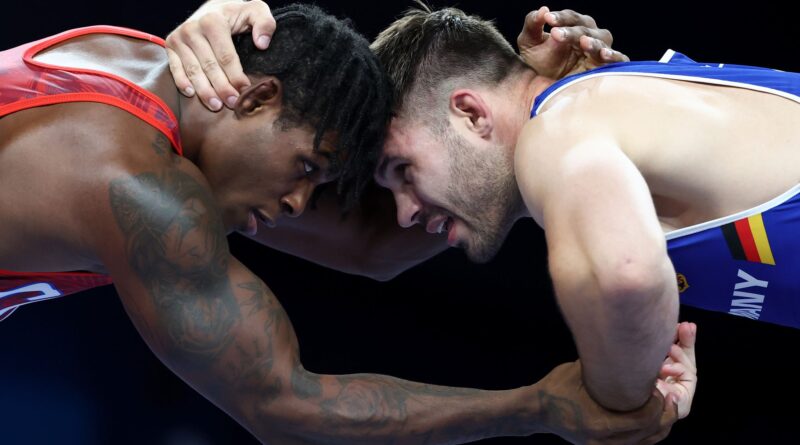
117 200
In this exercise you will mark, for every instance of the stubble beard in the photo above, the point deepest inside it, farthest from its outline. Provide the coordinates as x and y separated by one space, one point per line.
483 190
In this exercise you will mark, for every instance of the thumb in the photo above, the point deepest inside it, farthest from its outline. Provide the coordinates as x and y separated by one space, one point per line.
259 17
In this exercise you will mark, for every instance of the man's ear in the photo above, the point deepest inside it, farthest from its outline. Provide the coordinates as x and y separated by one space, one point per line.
265 91
470 106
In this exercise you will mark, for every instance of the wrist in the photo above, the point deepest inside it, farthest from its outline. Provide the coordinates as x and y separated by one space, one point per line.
527 412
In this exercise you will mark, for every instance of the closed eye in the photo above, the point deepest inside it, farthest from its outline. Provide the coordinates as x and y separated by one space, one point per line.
401 173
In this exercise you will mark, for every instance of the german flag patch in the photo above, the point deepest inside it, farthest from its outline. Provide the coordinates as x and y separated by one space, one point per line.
747 240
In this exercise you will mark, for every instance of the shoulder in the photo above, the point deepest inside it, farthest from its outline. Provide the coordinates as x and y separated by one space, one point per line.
562 136
126 157
591 108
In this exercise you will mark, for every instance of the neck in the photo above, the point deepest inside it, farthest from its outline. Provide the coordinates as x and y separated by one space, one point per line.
195 122
522 92
526 87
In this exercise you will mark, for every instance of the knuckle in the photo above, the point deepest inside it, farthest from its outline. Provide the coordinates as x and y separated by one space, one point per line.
257 4
186 30
227 58
605 36
175 67
231 8
210 20
210 65
192 70
571 15
172 39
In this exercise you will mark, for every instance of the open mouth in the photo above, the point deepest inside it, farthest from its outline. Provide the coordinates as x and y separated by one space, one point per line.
444 226
439 225
263 218
251 227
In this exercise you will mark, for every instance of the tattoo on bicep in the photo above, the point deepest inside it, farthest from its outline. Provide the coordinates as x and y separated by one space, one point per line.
163 148
161 145
176 243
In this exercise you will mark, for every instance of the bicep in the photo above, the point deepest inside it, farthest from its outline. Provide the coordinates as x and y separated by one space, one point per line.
596 208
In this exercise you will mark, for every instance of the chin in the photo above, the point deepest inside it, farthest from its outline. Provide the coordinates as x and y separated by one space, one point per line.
483 248
482 253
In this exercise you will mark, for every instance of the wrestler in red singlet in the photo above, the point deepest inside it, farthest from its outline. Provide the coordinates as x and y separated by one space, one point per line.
27 83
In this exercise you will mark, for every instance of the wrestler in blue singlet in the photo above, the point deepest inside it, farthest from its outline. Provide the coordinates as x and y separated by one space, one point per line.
746 264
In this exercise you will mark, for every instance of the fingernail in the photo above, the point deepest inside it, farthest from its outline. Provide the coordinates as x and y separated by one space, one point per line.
189 91
553 16
231 101
263 41
215 103
607 53
563 33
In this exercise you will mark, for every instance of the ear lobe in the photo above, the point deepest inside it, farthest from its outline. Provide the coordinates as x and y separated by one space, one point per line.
267 91
469 105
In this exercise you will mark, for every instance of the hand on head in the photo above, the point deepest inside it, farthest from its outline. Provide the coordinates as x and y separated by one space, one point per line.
202 57
573 45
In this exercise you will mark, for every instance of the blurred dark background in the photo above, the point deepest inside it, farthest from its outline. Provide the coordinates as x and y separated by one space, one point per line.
74 371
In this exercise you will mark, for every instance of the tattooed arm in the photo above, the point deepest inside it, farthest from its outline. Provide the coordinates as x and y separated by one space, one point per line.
221 329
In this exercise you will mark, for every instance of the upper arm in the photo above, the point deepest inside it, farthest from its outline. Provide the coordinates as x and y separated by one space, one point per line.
594 204
204 314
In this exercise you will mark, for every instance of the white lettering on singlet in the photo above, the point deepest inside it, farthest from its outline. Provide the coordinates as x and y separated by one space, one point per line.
45 291
748 304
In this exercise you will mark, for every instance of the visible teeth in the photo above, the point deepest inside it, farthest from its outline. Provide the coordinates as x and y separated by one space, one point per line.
441 226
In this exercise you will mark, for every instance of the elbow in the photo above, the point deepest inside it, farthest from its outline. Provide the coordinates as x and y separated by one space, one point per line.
628 282
382 275
636 284
621 281
280 404
376 267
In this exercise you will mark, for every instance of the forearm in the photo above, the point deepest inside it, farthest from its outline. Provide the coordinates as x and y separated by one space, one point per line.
622 335
375 409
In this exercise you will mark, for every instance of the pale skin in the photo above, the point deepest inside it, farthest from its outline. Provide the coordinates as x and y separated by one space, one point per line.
117 200
643 174
614 282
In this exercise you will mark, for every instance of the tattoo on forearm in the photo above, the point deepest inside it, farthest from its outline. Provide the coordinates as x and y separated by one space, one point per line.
176 244
561 411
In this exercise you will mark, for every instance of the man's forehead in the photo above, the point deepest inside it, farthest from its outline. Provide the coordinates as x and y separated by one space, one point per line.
403 135
402 142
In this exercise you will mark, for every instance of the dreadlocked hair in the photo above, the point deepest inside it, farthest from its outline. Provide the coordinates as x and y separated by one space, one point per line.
332 81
